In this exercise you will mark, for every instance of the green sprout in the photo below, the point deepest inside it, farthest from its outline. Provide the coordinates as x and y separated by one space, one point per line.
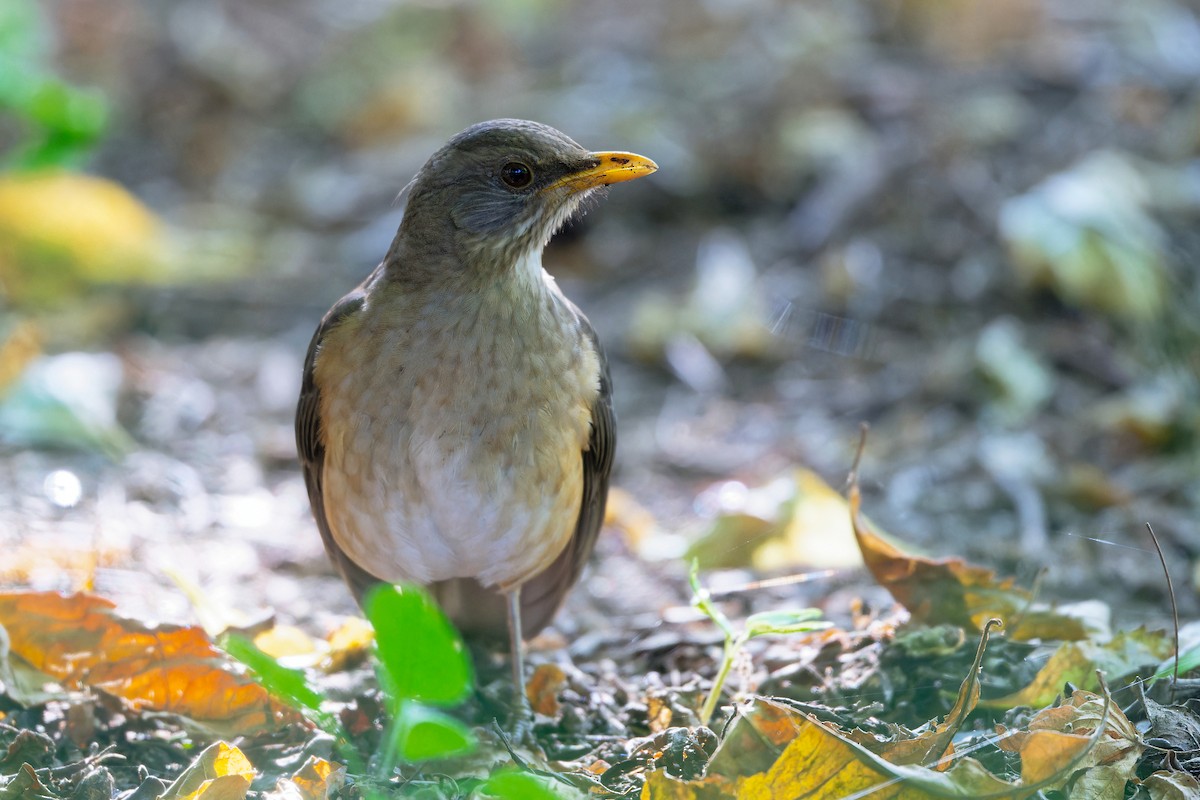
764 623
423 667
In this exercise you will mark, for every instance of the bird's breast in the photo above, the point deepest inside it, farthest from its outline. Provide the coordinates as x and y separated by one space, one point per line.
454 427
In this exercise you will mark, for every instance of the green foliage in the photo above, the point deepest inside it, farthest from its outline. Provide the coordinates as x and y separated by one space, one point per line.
421 733
765 623
422 660
281 681
422 655
514 784
59 122
292 686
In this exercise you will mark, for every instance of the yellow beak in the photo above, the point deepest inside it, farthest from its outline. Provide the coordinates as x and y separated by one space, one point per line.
610 168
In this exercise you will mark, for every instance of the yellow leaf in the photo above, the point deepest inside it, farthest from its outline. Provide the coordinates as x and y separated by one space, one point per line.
793 521
816 532
349 644
318 779
220 772
62 230
285 640
1077 662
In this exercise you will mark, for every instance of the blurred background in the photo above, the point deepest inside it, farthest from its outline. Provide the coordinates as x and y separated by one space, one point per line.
970 224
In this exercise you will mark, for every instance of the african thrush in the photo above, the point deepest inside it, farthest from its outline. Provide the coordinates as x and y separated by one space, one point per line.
455 422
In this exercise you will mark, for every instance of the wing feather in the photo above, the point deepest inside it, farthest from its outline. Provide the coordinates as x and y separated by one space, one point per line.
310 443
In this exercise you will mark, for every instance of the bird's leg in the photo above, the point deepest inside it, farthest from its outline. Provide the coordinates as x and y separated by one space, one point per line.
522 724
516 645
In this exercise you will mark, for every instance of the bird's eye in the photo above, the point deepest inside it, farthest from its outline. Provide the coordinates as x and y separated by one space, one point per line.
516 174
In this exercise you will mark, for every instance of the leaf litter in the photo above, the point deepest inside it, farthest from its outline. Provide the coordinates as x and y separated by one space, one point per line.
864 710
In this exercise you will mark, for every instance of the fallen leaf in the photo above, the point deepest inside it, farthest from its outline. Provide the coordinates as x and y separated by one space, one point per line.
20 344
26 786
796 520
60 231
1107 766
949 590
67 400
1077 663
1172 786
1087 234
543 688
820 761
926 747
349 644
80 641
318 779
725 311
283 641
220 772
1018 376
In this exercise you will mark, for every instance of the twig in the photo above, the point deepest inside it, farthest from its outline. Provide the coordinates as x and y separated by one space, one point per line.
1174 608
863 429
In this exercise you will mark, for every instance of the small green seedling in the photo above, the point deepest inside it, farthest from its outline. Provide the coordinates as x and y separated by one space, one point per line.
762 624
423 663
423 667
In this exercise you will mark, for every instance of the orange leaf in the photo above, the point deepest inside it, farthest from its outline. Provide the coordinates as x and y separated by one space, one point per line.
1086 722
80 641
318 779
543 688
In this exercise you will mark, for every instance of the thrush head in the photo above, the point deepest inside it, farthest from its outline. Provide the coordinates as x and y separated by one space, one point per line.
500 189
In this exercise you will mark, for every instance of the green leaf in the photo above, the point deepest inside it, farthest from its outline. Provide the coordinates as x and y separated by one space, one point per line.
784 621
519 785
423 733
277 679
422 655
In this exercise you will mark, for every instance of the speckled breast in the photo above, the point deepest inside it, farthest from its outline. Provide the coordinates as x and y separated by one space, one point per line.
454 429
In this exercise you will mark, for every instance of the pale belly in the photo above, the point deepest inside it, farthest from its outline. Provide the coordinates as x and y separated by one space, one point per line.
455 461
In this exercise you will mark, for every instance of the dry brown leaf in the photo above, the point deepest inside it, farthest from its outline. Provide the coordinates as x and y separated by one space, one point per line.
80 641
1109 763
626 514
1172 786
949 590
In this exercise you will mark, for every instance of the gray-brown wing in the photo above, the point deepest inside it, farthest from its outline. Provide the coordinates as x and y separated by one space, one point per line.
542 596
310 444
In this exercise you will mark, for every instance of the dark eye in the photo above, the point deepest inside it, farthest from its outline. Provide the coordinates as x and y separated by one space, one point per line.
516 174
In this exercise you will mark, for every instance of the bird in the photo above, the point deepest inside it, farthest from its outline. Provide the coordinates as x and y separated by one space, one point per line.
455 423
